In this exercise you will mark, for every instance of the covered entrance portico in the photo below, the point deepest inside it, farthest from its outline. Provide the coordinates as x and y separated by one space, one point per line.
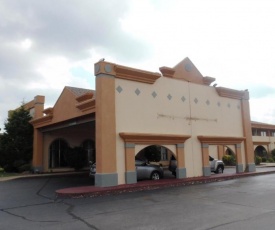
241 160
131 140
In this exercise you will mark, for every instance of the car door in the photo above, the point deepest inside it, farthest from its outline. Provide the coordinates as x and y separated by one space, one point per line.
140 169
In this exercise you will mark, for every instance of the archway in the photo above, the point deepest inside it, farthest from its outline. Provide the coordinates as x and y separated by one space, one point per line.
260 151
158 155
229 151
155 154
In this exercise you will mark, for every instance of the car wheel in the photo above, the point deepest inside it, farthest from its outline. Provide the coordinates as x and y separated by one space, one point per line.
155 175
219 170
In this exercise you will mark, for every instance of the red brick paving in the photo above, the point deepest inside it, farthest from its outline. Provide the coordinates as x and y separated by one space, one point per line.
92 191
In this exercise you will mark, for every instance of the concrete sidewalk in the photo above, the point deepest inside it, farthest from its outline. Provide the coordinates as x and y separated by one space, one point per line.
93 191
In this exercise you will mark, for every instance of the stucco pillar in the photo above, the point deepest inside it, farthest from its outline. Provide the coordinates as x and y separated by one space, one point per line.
220 151
38 106
247 132
205 160
130 173
106 167
37 160
181 169
239 163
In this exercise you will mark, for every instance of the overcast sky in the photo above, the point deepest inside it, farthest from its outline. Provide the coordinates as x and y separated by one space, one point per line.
46 45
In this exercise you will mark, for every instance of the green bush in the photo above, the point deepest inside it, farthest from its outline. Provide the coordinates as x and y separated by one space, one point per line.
2 170
264 159
18 164
273 153
270 160
229 160
24 168
8 168
258 160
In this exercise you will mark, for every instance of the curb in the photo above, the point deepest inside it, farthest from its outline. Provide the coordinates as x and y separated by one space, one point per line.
92 191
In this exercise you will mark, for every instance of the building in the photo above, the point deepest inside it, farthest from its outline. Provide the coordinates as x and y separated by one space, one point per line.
176 108
263 138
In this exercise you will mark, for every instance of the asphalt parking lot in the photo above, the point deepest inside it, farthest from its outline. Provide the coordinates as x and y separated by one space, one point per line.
245 203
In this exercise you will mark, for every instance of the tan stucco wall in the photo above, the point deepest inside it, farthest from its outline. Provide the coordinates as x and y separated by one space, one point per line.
212 115
262 140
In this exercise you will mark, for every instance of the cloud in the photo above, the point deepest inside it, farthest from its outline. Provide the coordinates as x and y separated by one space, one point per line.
45 45
41 42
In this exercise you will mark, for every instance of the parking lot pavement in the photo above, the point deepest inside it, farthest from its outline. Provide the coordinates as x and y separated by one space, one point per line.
168 181
244 203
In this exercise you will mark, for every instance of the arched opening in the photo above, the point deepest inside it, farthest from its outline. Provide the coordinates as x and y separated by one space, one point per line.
260 151
229 151
57 158
89 147
230 157
155 154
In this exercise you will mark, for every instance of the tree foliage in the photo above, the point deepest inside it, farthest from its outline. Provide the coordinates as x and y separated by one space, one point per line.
152 153
16 144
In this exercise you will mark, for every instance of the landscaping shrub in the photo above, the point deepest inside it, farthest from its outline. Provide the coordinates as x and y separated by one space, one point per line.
258 160
229 160
8 168
264 159
273 153
270 160
2 170
24 168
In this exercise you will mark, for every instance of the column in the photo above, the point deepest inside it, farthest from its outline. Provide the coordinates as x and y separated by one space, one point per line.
130 173
247 131
205 160
106 169
37 161
239 164
181 169
220 151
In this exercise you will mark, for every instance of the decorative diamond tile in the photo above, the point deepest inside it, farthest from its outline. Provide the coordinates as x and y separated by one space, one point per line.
119 89
207 102
219 104
228 105
137 91
196 100
154 94
169 96
183 99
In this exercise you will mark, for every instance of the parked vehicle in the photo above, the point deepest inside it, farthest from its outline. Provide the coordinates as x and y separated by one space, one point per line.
216 166
144 170
92 171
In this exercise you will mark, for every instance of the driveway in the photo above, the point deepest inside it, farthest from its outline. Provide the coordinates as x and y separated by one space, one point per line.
246 203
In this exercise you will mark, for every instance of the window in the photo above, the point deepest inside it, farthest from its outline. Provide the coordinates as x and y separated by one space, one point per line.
89 147
164 154
57 154
263 133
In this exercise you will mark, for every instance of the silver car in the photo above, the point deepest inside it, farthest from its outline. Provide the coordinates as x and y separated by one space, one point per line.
144 170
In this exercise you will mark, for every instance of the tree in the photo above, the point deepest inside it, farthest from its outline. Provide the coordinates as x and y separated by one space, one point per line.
16 144
152 153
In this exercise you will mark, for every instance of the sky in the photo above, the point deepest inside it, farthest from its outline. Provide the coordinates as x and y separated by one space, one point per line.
47 45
